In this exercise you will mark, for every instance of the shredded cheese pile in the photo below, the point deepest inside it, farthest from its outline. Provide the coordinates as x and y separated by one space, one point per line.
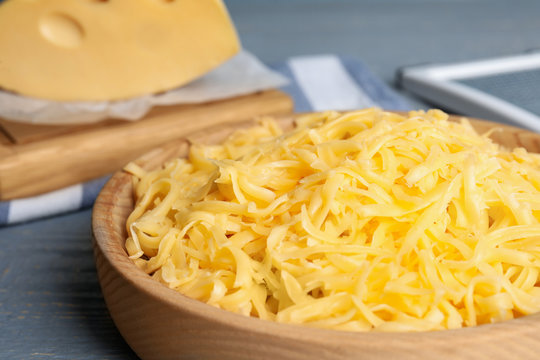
358 221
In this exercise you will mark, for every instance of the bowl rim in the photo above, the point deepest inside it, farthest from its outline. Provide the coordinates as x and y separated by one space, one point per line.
115 254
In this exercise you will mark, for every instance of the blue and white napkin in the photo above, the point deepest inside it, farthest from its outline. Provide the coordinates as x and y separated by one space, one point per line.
317 83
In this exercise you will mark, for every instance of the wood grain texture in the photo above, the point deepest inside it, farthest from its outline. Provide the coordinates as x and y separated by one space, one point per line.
51 306
23 133
159 323
64 159
5 144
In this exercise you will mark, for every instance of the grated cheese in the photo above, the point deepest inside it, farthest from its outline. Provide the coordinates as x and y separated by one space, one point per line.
359 221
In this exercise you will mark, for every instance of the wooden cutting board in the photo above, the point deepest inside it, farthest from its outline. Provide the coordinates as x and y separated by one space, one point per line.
37 158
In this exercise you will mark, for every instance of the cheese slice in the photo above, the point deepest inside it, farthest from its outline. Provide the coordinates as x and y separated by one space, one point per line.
68 50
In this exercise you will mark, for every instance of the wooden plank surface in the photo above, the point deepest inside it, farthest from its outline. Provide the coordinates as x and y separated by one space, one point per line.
51 305
65 158
22 133
5 144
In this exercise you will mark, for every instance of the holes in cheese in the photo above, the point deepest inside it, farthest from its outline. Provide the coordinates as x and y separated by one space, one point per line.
61 30
359 221
110 50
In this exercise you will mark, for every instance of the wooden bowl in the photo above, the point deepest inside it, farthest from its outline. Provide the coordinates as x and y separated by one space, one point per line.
160 323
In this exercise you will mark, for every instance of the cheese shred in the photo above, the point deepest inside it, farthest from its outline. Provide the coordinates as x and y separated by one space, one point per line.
358 221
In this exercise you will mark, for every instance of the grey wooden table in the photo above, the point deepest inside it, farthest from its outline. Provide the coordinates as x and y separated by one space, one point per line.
50 302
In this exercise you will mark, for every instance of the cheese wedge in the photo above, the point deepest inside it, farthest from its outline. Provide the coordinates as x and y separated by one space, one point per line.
88 50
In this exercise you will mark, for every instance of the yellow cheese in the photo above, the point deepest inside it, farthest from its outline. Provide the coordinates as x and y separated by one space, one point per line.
359 221
110 49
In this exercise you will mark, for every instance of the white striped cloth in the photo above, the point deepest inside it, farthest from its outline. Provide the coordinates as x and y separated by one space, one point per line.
321 82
